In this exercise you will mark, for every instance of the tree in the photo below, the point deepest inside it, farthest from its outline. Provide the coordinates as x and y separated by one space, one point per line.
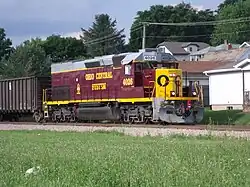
228 2
171 14
5 45
233 32
63 49
29 59
103 38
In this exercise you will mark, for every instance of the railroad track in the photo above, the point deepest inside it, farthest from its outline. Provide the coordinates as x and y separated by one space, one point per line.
188 127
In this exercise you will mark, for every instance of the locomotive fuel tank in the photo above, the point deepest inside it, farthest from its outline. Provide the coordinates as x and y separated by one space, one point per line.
97 111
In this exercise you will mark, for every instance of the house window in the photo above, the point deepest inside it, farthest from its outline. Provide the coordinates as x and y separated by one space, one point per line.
190 49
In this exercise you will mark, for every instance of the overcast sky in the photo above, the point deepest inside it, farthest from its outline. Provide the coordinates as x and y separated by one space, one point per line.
24 19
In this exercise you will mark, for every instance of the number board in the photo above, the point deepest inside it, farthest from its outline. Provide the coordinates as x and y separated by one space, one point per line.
149 57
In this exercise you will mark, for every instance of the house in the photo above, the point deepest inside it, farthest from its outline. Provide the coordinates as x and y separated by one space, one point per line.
182 50
193 71
228 85
199 55
245 44
212 61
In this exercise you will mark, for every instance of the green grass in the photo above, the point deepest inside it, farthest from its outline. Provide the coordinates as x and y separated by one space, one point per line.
226 117
113 159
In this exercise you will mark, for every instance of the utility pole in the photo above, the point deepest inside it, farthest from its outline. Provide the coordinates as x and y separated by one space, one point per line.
144 36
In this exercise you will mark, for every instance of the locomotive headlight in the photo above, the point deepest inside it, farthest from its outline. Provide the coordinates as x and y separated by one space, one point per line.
172 93
194 93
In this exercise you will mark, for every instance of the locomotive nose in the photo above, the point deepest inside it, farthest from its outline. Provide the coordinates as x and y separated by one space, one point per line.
168 83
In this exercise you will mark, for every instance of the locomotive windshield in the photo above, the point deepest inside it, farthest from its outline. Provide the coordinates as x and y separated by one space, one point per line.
155 64
168 65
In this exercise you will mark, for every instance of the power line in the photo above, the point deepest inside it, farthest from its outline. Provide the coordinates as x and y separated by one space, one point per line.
142 25
226 21
188 36
201 35
109 37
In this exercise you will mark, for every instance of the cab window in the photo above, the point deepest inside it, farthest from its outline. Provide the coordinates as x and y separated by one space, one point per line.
138 67
127 69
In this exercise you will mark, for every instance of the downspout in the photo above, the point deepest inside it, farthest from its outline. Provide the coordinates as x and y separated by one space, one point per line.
243 86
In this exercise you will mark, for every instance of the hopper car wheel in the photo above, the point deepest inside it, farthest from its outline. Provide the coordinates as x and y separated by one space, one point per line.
38 116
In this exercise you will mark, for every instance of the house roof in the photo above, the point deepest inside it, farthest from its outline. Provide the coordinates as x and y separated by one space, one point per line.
218 48
226 55
200 66
178 47
244 44
231 67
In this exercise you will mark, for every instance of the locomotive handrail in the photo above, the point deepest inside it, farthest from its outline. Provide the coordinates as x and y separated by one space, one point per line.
199 91
44 95
154 88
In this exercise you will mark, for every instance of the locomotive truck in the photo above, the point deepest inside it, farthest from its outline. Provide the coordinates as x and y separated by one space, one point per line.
138 87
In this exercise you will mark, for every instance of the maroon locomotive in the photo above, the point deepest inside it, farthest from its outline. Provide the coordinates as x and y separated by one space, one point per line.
138 87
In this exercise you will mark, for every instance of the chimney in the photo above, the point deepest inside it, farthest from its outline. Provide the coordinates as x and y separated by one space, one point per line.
226 44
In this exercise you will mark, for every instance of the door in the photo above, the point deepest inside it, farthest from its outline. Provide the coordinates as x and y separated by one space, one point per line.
138 75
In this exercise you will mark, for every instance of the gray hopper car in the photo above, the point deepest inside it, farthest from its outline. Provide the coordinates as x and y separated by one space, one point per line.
21 96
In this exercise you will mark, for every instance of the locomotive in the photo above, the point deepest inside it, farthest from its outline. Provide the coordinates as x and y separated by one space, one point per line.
136 87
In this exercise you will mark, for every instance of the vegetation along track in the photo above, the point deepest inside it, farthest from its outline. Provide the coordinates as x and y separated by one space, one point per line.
191 127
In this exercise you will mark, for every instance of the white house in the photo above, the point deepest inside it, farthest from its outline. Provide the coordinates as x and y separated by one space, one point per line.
227 87
182 50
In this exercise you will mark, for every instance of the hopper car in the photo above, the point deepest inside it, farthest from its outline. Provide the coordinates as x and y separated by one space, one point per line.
137 87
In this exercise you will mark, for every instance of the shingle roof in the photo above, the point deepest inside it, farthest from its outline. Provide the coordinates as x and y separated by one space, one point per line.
225 55
201 66
178 47
218 48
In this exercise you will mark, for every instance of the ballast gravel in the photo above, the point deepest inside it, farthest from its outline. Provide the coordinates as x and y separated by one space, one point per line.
132 131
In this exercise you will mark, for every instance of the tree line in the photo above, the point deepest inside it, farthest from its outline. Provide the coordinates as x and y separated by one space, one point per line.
34 57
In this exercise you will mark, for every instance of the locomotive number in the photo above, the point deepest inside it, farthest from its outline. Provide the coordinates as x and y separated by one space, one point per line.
149 58
127 82
100 86
89 76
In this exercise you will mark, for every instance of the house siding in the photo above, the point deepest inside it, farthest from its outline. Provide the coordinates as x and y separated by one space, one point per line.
203 81
226 90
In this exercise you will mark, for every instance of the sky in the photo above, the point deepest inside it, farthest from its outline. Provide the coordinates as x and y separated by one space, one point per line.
25 19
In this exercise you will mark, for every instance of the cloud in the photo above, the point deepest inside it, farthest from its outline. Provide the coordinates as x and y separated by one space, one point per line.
16 40
73 34
25 19
197 7
46 10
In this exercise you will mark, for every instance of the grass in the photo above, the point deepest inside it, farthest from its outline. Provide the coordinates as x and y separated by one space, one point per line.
226 117
113 159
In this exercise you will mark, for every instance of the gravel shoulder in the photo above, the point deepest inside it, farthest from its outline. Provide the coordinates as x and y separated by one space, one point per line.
130 131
